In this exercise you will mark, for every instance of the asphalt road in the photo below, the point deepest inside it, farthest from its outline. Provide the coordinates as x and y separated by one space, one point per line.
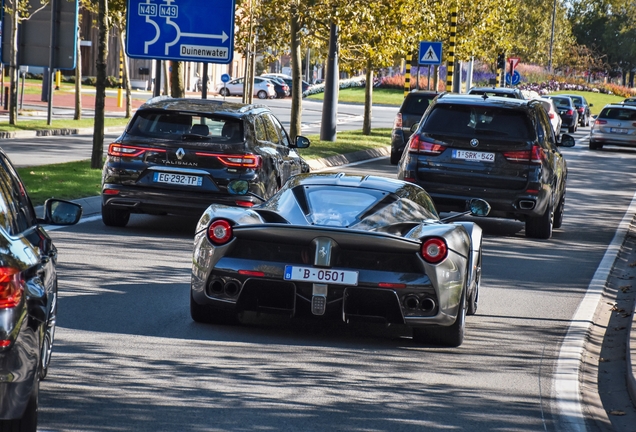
128 356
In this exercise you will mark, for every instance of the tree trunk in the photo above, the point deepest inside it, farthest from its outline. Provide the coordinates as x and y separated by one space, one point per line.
13 67
297 85
78 80
100 86
177 89
122 34
368 99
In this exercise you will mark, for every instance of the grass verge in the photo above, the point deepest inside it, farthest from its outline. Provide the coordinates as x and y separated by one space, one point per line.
74 180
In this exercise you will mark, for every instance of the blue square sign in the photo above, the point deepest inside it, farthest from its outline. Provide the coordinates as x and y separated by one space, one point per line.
181 30
430 53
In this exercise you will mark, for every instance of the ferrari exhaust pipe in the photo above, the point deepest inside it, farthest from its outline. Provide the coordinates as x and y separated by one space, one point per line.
231 288
427 305
215 287
411 301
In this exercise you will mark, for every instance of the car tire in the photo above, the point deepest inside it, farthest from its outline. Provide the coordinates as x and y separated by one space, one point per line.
572 128
224 92
587 121
595 146
395 157
540 227
114 217
49 337
210 315
29 420
450 336
473 297
262 94
557 221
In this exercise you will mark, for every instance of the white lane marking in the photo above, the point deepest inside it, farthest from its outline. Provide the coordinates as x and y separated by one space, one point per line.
568 393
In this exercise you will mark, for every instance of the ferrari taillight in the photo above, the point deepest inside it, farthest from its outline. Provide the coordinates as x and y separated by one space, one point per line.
11 287
220 232
418 145
120 150
434 250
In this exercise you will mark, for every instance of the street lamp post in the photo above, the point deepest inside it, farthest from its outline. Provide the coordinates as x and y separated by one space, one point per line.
552 36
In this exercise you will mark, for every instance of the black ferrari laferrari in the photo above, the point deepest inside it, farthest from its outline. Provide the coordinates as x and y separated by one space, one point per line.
346 246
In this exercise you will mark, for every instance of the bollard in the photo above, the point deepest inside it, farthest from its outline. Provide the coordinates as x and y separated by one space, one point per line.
6 98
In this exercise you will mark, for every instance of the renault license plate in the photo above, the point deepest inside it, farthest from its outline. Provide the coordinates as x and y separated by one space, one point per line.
178 179
318 275
473 156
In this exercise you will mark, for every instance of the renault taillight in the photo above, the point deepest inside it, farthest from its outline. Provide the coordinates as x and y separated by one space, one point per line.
11 287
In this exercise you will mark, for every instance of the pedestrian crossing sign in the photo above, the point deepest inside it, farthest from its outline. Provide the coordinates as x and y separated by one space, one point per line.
430 53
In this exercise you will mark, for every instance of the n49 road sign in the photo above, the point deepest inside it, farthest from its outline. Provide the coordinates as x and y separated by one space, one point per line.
181 30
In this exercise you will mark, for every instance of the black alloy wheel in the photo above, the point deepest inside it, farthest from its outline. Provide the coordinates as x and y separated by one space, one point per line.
540 227
558 213
450 336
114 217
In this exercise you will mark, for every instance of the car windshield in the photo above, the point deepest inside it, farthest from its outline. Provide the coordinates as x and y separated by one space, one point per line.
185 125
577 100
618 114
494 93
416 104
478 120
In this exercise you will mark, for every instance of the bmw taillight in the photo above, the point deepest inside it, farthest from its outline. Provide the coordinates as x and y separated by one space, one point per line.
397 123
434 250
421 146
570 112
600 122
11 287
535 155
220 232
120 150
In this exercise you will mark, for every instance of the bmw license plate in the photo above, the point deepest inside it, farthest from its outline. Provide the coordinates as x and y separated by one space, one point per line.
619 130
317 275
178 179
473 156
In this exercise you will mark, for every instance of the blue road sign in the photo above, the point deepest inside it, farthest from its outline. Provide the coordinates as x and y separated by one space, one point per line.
516 78
225 78
430 53
181 30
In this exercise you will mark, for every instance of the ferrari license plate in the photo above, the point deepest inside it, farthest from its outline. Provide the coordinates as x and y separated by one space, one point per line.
178 179
473 156
317 275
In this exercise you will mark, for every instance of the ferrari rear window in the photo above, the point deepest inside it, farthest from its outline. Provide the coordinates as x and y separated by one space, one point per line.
184 125
339 206
478 120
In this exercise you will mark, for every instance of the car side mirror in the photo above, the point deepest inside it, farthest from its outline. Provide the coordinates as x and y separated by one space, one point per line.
479 207
61 212
302 142
591 105
567 141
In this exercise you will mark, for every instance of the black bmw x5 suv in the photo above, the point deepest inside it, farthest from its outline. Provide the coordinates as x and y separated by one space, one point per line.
500 149
181 155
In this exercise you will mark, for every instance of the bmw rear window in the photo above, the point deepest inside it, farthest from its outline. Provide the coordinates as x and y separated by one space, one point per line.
449 119
618 114
185 125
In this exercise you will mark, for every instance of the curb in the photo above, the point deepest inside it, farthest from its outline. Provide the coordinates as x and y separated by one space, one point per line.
337 160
